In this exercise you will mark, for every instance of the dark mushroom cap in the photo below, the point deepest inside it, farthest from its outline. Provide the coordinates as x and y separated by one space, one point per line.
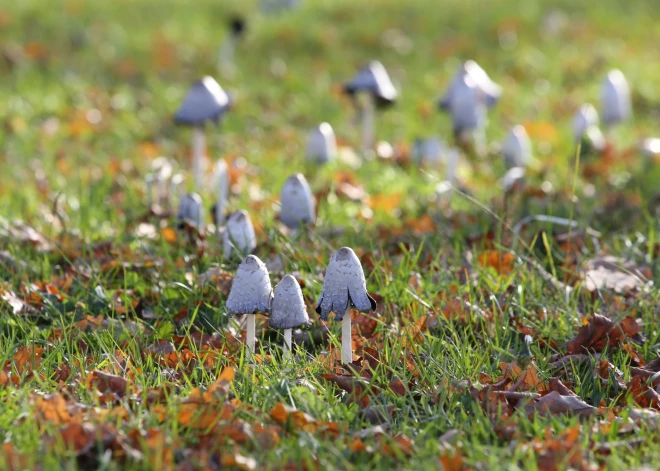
344 285
251 291
297 202
288 309
492 92
205 101
190 210
373 79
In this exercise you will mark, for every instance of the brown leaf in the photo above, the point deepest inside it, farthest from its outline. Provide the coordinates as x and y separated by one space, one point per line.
553 403
643 394
608 272
502 262
599 332
105 382
53 408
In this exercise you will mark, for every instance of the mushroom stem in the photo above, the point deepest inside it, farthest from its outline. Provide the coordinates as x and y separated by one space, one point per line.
251 330
163 192
368 124
287 343
226 54
346 341
198 144
220 207
149 193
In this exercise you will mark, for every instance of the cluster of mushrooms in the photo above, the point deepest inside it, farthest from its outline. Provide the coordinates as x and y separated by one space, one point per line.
344 287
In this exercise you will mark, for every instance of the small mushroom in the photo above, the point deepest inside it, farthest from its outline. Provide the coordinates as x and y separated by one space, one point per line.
344 286
222 182
297 202
513 179
372 88
517 148
288 310
491 91
162 169
468 113
239 234
191 212
615 98
321 144
585 117
205 101
428 151
250 293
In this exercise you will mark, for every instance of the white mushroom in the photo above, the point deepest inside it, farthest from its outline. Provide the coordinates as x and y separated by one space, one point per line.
321 144
513 178
297 202
239 234
250 293
517 148
288 310
585 117
491 91
344 286
428 151
222 182
615 98
191 211
228 47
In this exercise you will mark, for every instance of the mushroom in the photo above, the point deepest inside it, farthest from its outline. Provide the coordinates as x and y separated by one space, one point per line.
468 112
288 310
227 49
517 148
190 211
615 98
321 144
584 118
239 234
250 293
205 101
297 202
222 182
162 170
372 87
176 186
491 91
344 286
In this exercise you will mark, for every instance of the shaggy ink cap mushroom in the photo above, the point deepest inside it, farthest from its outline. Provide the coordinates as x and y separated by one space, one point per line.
190 210
321 144
373 79
297 202
288 310
251 291
467 107
584 118
517 148
239 234
615 97
205 101
344 285
492 92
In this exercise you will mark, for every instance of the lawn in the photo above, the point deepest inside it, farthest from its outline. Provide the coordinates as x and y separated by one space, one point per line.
116 346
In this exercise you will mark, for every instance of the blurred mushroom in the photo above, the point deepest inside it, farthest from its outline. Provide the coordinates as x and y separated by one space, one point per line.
297 202
517 148
222 182
205 101
615 98
288 310
321 144
250 293
162 169
239 234
191 212
149 189
490 90
344 286
371 88
585 117
468 113
428 151
228 47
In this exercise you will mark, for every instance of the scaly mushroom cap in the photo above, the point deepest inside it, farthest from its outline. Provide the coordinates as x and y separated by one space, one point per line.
615 96
297 202
343 285
190 210
517 148
251 291
205 101
321 144
374 79
585 117
239 234
491 91
288 309
467 107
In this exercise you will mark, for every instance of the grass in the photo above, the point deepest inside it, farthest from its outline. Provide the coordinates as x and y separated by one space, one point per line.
114 296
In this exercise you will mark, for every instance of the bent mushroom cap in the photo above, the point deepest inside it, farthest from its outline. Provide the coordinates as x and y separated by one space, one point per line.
374 79
205 101
321 144
615 96
492 92
239 234
517 148
585 117
344 284
190 210
288 309
251 291
297 202
468 110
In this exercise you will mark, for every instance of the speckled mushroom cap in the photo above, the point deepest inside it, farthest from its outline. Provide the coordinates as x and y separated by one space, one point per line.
492 92
288 309
297 202
344 283
374 79
251 291
239 234
205 101
190 210
615 97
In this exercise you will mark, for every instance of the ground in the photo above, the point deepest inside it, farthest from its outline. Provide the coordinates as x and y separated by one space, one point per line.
115 345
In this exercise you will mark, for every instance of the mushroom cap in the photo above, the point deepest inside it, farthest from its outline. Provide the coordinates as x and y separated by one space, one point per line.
517 148
288 309
374 79
491 91
428 151
251 291
239 234
190 210
297 202
615 97
321 144
585 117
513 177
467 106
205 101
344 285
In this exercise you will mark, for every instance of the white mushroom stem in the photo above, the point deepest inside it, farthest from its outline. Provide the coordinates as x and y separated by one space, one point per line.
287 343
198 144
226 54
368 124
251 331
163 192
346 341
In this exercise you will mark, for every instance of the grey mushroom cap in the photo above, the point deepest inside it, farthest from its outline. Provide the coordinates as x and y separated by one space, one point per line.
297 202
251 291
191 210
205 101
492 92
344 285
374 79
239 234
288 309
